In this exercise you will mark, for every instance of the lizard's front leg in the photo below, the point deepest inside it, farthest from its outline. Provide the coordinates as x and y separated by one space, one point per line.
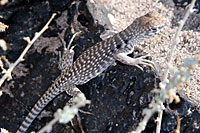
125 59
122 56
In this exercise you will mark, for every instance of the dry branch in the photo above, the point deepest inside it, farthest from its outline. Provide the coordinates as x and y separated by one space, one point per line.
67 114
7 73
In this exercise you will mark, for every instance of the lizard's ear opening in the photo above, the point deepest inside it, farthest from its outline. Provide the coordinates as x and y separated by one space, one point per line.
119 46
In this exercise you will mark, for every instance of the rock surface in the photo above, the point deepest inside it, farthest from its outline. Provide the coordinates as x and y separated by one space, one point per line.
118 95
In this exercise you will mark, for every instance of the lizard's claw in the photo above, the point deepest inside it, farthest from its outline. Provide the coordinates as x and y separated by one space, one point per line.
142 61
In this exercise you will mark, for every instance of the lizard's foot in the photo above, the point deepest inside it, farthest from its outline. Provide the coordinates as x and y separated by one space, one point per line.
142 61
77 124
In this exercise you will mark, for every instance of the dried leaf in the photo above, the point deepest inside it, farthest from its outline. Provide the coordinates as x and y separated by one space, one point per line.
4 130
3 44
3 27
3 2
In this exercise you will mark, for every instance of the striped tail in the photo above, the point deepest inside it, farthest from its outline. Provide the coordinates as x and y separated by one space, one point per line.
50 94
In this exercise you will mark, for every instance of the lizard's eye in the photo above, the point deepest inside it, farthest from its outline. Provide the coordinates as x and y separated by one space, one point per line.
154 29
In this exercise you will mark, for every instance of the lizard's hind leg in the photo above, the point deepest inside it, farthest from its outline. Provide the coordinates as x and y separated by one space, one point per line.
66 60
74 91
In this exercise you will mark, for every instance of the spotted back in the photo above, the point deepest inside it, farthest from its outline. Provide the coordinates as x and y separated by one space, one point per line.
91 63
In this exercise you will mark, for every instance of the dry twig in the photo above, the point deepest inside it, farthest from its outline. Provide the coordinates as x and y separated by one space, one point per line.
176 41
7 73
67 114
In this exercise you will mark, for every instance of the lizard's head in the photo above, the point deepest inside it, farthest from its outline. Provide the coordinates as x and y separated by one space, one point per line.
152 23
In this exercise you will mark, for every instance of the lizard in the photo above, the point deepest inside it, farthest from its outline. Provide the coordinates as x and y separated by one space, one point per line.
98 58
